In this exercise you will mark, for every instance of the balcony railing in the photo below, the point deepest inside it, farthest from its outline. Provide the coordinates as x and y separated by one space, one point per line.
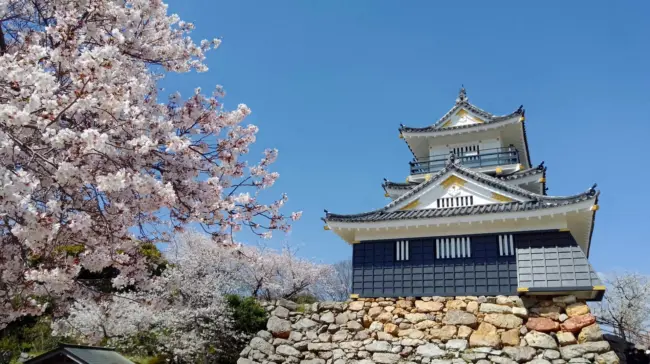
483 158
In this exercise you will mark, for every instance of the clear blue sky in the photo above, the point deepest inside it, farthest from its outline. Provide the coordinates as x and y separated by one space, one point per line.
329 82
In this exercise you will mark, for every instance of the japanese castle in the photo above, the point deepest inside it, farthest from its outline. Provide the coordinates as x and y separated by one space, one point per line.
473 218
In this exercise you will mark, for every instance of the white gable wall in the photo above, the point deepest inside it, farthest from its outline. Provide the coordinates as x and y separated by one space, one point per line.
482 194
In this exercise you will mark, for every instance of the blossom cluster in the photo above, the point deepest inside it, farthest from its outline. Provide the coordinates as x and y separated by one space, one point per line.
184 308
92 164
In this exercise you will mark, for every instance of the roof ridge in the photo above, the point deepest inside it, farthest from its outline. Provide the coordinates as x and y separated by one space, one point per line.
65 345
464 103
453 164
456 211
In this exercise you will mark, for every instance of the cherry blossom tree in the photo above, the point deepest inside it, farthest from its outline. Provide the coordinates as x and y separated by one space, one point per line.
626 305
184 309
342 280
92 162
269 274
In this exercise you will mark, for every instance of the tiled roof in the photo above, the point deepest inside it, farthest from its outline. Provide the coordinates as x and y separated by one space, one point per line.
399 185
463 102
523 173
455 211
509 177
538 201
82 354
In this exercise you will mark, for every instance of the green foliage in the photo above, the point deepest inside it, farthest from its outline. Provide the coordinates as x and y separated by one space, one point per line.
31 335
70 250
305 299
155 259
157 359
249 317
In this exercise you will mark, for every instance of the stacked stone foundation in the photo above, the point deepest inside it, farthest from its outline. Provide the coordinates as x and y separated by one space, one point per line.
431 330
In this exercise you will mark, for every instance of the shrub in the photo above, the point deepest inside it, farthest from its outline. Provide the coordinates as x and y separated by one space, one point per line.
305 299
248 316
31 335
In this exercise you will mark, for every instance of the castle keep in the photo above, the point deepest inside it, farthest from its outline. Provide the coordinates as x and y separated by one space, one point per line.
471 262
472 218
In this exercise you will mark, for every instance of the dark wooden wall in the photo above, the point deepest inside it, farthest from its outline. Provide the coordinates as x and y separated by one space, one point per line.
377 273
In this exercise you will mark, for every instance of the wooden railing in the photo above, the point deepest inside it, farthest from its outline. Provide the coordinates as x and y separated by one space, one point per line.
475 159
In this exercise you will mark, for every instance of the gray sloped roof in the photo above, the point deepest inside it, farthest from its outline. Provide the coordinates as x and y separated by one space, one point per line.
463 102
399 185
523 173
538 201
453 211
83 355
509 177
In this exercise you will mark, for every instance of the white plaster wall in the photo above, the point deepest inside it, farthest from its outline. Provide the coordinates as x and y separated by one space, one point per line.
438 150
428 200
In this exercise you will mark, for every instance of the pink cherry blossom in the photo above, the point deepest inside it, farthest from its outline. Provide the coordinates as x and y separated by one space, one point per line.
185 307
91 158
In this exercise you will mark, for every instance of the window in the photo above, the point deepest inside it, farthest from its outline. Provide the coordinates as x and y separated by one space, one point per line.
468 152
506 245
402 250
459 201
458 247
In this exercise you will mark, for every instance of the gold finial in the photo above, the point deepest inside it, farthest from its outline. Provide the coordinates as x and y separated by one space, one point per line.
542 180
326 227
594 208
499 170
386 194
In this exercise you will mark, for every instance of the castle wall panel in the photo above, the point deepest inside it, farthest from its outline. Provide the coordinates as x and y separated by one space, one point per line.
378 273
553 259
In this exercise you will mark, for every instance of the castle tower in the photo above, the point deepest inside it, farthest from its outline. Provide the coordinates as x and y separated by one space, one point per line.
472 218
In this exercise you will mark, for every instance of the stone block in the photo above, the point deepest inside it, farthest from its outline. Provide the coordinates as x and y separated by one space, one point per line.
590 333
503 321
456 317
386 358
510 337
542 324
428 306
520 353
486 335
566 338
540 340
576 323
577 309
578 350
430 351
494 308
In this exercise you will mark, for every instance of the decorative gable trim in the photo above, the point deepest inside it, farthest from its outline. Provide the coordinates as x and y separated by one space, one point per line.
536 201
411 205
453 180
501 198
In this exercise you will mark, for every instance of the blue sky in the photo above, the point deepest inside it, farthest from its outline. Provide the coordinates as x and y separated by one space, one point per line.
329 82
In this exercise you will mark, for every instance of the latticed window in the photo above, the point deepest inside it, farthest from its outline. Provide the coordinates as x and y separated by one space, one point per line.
402 250
458 201
456 247
468 152
506 245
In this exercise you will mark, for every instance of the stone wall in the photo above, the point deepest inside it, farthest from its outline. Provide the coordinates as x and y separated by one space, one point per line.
431 330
